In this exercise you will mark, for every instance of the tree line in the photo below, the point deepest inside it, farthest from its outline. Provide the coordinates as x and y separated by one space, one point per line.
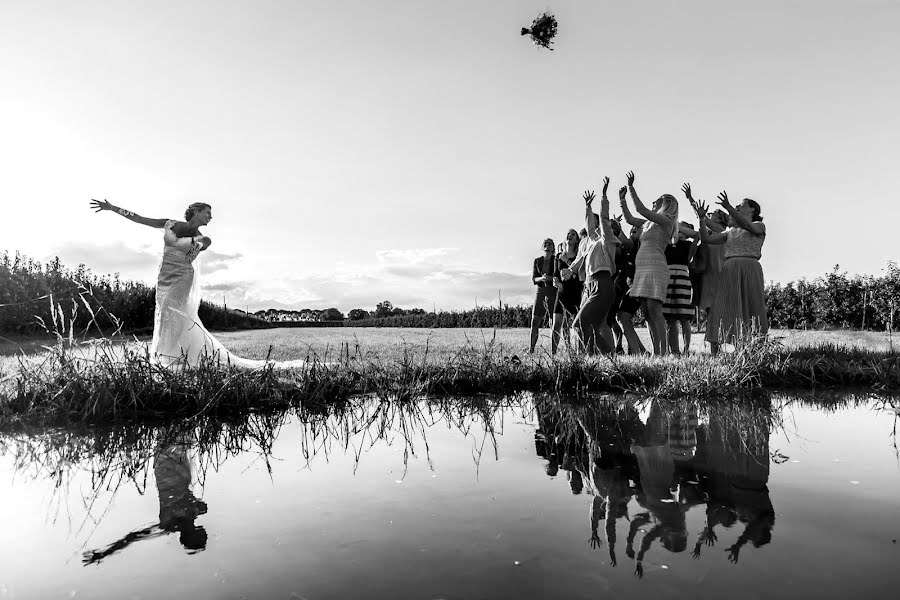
27 288
836 300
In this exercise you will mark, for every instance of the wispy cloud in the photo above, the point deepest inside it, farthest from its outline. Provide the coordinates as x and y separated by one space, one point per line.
423 277
113 257
216 261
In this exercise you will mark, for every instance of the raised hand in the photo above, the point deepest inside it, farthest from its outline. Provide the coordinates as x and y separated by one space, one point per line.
686 188
702 209
723 202
623 191
100 205
733 552
588 198
630 177
605 185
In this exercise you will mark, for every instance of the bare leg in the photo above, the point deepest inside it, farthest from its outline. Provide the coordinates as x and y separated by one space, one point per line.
557 331
672 334
656 323
634 342
537 315
617 333
686 333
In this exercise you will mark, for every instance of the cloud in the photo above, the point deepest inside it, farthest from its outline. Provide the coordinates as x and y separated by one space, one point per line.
216 261
412 278
108 258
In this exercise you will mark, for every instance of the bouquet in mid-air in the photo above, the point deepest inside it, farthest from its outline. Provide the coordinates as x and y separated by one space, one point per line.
542 30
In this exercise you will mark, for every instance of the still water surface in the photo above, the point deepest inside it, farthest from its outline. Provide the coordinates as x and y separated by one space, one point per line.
522 498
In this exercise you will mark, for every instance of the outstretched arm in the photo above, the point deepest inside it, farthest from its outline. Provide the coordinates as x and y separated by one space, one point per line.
706 235
650 215
741 220
101 205
95 556
589 214
629 218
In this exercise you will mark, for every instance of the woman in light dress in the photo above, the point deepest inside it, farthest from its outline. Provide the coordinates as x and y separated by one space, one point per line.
713 255
739 309
651 275
179 338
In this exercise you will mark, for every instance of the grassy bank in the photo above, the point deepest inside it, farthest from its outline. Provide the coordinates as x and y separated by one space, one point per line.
108 381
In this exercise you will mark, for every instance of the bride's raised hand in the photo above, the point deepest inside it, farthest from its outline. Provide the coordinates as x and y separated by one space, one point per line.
101 205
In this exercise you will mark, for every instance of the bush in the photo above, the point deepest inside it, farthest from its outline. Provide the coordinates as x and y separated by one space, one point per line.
27 286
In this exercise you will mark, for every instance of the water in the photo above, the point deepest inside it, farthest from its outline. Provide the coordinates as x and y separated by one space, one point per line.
472 500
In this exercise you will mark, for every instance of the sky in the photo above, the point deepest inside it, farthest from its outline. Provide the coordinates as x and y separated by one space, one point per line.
419 151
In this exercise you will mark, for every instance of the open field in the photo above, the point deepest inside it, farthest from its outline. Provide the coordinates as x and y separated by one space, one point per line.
386 343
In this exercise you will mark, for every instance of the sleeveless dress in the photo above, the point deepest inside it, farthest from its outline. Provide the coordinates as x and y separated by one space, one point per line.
739 308
680 291
179 338
651 272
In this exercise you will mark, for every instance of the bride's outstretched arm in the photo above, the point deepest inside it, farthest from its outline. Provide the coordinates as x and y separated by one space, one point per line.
101 205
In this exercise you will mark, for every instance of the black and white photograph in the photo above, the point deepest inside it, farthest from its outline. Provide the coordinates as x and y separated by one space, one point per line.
408 299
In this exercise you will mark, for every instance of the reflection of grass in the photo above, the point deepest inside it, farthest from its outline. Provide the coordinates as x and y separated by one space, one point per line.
123 454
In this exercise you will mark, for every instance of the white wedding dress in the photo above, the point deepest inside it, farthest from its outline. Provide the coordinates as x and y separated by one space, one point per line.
179 338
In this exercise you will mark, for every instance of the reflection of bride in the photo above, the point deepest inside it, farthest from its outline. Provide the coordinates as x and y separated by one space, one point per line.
179 338
178 507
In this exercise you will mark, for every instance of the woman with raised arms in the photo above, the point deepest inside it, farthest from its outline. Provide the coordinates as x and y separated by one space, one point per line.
739 309
651 272
590 322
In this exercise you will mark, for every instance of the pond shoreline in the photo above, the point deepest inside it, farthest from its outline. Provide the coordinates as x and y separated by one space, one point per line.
119 383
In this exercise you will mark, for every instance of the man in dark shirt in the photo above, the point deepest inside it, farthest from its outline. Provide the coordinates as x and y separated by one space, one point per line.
544 272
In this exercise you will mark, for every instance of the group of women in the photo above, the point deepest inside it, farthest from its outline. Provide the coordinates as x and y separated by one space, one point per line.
599 279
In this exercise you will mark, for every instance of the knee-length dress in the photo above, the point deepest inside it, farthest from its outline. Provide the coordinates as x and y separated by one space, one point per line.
709 285
651 272
679 293
739 308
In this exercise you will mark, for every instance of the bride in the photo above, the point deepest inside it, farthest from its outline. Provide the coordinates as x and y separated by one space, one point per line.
179 338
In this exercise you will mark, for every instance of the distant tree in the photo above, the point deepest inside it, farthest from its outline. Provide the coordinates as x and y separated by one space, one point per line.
331 314
357 314
384 309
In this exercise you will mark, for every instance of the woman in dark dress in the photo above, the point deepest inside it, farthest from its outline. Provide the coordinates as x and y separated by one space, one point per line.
678 309
568 290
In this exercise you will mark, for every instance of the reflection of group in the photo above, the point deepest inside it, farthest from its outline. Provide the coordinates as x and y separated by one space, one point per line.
178 507
668 465
598 280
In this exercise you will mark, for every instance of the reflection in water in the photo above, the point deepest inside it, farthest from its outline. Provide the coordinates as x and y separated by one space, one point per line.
667 464
641 465
181 454
178 507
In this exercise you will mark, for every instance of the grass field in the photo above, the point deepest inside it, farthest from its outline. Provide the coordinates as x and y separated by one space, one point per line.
388 343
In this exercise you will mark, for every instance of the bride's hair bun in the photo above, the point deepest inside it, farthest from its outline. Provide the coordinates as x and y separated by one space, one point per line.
194 209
